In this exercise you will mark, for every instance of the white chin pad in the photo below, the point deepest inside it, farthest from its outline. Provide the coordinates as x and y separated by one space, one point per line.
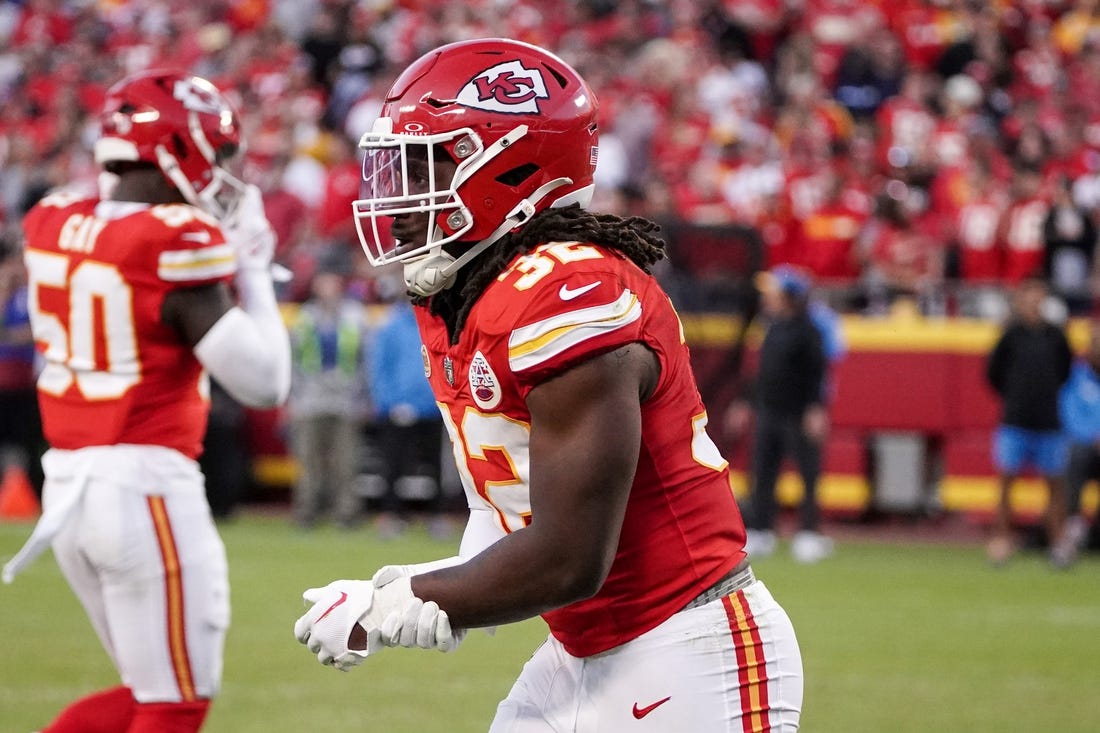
426 276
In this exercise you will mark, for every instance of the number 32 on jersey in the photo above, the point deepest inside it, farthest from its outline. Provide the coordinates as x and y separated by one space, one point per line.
492 454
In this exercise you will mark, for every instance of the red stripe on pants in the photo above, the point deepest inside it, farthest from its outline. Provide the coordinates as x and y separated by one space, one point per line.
752 669
173 592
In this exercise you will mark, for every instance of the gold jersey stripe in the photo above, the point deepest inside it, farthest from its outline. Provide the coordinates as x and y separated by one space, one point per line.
538 342
197 264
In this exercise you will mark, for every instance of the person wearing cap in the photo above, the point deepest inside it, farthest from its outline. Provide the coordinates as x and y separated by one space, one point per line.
788 397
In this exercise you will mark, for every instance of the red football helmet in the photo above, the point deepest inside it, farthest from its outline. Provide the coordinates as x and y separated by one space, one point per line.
519 122
180 123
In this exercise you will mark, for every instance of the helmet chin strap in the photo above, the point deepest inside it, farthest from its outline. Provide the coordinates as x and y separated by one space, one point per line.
436 270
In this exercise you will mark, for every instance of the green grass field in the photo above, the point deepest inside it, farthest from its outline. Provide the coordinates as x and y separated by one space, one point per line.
895 637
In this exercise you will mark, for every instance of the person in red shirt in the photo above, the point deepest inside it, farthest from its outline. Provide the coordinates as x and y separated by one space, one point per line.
825 241
1020 231
130 307
906 123
975 227
341 187
904 260
597 499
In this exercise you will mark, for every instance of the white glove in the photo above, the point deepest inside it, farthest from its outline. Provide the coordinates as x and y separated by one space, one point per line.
248 231
327 626
412 622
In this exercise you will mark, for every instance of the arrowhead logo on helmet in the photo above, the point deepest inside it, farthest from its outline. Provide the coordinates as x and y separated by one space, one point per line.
510 88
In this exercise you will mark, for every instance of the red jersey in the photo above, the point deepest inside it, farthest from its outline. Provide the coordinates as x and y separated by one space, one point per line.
341 188
1022 239
97 276
824 242
907 127
976 235
549 310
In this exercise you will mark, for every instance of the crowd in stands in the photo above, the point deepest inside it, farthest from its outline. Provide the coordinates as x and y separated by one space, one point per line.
892 147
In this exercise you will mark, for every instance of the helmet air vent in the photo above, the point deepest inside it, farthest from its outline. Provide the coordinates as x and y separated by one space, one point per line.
518 175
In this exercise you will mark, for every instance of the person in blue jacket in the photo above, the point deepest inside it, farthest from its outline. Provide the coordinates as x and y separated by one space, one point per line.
409 425
1079 407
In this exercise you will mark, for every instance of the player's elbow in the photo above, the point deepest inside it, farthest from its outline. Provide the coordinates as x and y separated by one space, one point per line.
579 580
267 389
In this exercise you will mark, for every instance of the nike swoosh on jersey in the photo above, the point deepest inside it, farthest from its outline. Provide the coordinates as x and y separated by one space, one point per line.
640 713
568 294
343 597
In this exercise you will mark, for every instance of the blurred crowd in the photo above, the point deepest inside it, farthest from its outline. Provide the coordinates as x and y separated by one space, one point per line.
933 150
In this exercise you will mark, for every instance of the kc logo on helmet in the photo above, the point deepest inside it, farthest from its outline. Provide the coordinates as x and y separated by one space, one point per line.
510 88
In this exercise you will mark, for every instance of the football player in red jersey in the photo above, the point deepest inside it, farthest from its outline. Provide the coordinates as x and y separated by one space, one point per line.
596 498
130 304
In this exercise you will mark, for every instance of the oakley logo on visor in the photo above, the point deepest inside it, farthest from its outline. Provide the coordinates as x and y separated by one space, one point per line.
510 88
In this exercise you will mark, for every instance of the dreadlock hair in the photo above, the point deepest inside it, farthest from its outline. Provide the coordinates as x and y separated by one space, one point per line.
635 237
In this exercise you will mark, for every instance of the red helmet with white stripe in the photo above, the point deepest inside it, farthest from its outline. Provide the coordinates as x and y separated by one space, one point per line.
519 123
180 123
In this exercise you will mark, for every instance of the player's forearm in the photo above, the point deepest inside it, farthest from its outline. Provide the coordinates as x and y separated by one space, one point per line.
521 576
248 350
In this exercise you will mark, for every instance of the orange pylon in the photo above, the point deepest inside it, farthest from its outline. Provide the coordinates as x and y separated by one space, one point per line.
18 501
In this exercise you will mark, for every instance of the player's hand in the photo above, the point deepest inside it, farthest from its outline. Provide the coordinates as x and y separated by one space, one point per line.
248 231
326 628
406 620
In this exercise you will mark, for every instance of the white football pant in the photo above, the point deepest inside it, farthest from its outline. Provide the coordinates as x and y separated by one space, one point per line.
730 666
143 555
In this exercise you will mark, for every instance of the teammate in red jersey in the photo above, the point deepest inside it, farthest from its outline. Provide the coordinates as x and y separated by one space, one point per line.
597 500
130 304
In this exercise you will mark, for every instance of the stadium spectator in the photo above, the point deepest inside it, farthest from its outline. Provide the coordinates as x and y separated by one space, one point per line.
1070 263
871 71
568 393
408 428
961 97
1079 408
981 204
825 241
1020 231
1026 368
124 506
904 261
329 395
905 123
788 397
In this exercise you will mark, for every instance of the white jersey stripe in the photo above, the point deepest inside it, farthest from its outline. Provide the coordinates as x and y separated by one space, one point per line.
197 264
538 342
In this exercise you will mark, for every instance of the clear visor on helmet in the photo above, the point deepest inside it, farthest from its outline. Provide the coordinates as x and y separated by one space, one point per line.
401 178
